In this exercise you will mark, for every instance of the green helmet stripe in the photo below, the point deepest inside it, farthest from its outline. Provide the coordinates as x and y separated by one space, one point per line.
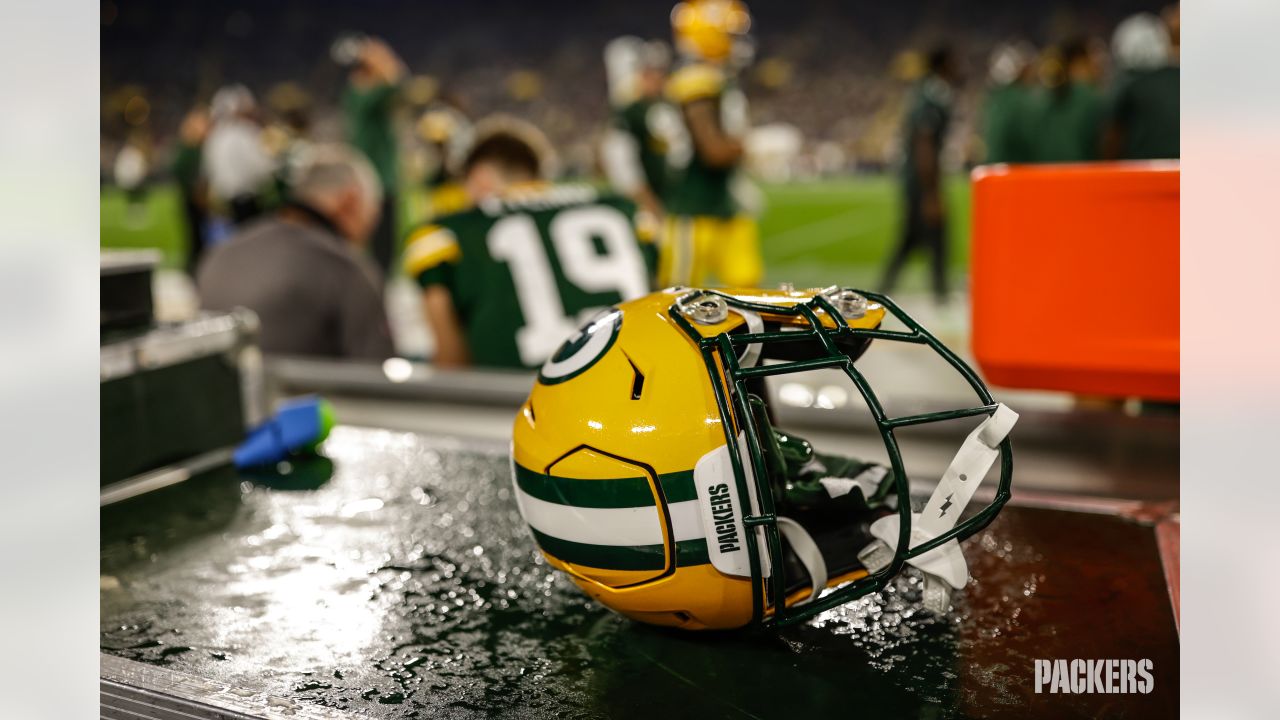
622 557
610 493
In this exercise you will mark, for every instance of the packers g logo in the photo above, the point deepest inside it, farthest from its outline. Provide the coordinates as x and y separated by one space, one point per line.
582 350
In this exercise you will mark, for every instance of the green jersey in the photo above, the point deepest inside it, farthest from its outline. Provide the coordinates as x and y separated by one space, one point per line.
370 128
694 187
1067 124
1145 110
186 166
929 112
1005 126
638 120
527 269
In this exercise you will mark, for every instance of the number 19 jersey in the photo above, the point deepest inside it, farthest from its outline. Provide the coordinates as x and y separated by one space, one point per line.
526 269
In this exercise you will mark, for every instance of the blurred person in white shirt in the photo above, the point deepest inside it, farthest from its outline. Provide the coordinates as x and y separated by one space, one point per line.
236 161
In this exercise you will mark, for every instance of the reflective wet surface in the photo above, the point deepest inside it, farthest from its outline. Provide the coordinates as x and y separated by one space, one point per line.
398 580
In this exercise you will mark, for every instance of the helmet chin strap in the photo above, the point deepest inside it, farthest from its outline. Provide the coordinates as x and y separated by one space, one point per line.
944 567
803 545
751 354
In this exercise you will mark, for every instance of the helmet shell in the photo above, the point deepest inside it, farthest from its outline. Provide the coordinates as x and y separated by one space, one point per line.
604 455
707 29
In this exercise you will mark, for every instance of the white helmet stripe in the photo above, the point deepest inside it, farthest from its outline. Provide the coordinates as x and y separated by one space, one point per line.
609 526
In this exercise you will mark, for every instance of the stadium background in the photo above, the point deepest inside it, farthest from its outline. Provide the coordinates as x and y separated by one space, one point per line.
839 72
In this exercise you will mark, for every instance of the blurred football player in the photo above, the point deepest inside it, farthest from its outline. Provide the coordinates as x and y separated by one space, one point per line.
1067 112
707 230
131 170
446 134
375 74
1142 112
236 160
924 130
1172 17
1005 127
633 154
507 281
288 132
185 168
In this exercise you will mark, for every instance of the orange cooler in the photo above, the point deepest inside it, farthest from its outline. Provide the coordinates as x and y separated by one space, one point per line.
1075 277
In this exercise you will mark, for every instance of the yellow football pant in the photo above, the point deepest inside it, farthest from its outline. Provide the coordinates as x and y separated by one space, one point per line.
693 249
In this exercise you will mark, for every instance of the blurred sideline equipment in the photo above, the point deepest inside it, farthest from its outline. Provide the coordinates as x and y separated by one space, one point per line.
505 282
175 398
708 229
646 463
298 426
1075 277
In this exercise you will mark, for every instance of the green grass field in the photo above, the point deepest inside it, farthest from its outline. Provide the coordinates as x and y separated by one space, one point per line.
814 233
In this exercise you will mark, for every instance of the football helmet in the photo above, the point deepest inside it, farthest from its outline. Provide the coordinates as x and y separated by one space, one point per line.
709 29
647 466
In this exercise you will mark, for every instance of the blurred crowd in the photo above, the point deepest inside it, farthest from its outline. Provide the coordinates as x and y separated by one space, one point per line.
1076 102
837 71
361 136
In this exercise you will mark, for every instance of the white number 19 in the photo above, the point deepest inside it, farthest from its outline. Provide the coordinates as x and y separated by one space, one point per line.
515 241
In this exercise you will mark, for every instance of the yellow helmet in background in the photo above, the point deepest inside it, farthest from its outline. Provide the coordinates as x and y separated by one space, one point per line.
709 29
438 126
646 465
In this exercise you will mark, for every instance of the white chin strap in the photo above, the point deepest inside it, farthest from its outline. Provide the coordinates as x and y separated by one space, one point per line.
751 355
944 566
803 545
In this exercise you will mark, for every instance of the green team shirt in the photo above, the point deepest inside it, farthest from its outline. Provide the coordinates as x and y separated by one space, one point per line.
635 119
1067 124
1144 108
368 113
1005 127
693 187
928 111
186 165
526 270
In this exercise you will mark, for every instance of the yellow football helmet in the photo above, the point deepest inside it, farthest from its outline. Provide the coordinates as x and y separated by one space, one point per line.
647 467
708 29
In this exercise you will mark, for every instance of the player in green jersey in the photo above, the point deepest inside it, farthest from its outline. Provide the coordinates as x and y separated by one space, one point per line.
1006 131
633 152
1142 108
707 231
505 282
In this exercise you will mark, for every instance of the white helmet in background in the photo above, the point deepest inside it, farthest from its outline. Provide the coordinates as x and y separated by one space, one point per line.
625 58
231 100
1008 62
1141 42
